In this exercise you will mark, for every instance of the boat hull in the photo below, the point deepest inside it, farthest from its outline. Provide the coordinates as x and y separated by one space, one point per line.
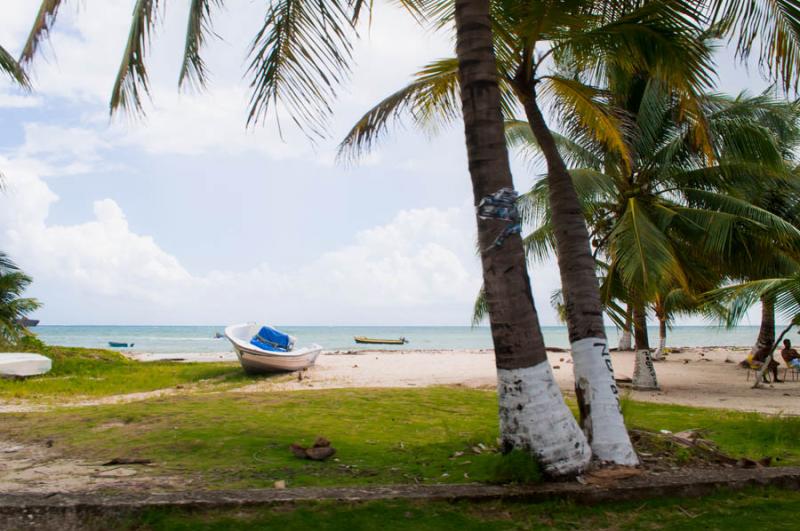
21 364
260 363
371 341
257 361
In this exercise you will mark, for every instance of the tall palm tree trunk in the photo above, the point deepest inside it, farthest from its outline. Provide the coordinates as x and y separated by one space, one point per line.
596 391
625 336
766 333
662 339
533 414
644 374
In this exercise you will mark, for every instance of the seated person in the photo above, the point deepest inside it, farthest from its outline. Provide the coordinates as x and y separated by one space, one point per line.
790 355
760 357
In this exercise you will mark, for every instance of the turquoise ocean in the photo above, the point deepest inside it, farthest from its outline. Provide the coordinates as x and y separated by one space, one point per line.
182 339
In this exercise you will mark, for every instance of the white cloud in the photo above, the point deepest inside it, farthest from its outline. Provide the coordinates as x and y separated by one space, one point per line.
80 62
422 258
18 101
192 124
62 143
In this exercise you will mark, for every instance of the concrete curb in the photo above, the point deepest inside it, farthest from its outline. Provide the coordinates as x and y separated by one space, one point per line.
66 511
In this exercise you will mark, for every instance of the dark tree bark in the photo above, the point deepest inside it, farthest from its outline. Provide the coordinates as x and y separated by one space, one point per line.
533 415
640 335
625 336
595 387
662 338
575 261
644 373
766 333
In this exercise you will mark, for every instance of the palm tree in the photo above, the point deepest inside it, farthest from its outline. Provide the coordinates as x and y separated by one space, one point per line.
13 307
785 291
657 37
679 301
589 36
299 57
756 258
659 220
533 415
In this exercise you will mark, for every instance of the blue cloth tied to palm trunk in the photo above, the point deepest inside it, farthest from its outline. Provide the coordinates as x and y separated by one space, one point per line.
502 205
272 340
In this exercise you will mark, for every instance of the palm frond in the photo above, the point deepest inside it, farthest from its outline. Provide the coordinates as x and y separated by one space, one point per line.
519 136
660 37
432 98
557 303
588 105
642 250
724 203
193 68
540 244
741 297
7 264
772 27
132 84
45 18
299 57
480 309
10 66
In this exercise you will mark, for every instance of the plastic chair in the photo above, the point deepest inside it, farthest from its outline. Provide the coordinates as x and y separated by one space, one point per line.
791 370
754 371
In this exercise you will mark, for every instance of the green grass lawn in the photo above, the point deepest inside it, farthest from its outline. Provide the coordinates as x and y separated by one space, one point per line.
749 509
229 440
81 372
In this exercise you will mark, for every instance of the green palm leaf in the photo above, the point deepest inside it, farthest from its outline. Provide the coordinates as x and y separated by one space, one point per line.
587 105
45 18
770 26
11 67
193 68
642 250
299 57
431 100
519 136
132 84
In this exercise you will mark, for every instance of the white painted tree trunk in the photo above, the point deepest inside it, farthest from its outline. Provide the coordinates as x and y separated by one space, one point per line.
603 424
644 374
625 341
662 348
534 417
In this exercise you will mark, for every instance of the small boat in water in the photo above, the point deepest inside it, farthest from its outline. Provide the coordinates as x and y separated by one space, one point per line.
262 349
21 364
376 341
117 344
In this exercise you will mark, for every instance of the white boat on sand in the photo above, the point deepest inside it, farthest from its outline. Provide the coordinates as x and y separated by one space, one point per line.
256 360
19 364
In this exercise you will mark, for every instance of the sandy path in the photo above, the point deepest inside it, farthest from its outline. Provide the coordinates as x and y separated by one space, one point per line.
696 377
38 468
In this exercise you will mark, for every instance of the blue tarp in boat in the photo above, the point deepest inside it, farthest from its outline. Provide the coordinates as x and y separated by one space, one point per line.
273 340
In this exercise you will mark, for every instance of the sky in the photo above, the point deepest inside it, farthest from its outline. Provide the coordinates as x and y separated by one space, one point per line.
188 217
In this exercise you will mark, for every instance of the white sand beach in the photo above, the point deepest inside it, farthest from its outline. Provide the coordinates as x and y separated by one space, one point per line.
706 377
